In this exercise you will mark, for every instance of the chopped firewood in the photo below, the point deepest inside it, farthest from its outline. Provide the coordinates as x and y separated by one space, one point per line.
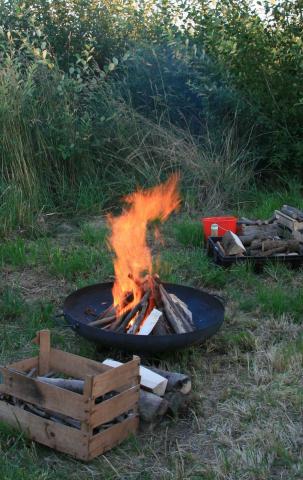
290 245
232 244
177 321
177 402
292 212
150 380
139 319
263 231
102 321
271 247
150 322
69 384
288 222
161 327
125 320
183 309
151 406
220 248
175 381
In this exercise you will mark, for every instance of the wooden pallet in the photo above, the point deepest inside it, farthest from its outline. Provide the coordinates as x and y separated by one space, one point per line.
92 439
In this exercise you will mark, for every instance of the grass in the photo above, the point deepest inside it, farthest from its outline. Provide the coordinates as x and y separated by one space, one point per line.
244 422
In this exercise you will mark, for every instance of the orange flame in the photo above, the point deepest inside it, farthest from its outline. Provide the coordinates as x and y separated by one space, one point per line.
128 238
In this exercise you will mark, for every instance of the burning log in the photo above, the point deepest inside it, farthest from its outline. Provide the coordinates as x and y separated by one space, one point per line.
158 312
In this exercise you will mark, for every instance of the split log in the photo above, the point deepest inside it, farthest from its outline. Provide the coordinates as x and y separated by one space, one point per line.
150 380
150 322
183 309
178 322
175 381
220 248
151 407
232 244
292 212
161 327
288 222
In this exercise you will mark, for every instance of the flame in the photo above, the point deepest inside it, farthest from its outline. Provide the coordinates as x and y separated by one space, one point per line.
128 238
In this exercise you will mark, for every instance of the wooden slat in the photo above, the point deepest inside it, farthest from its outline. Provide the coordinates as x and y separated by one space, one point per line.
54 435
113 379
113 407
74 365
111 437
44 352
25 365
43 395
87 396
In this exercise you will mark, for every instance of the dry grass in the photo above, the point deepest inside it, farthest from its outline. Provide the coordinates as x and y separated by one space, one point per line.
245 421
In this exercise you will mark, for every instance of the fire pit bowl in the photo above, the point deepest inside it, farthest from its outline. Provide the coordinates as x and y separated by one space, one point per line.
207 310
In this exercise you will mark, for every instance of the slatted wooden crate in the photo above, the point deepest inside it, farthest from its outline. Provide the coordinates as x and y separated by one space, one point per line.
93 438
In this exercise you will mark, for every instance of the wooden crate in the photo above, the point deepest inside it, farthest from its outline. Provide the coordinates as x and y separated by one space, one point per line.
93 438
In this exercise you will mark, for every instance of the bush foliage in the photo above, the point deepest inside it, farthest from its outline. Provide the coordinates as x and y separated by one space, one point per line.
97 97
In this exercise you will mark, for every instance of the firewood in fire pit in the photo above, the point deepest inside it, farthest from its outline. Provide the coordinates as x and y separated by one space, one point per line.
150 322
179 323
122 324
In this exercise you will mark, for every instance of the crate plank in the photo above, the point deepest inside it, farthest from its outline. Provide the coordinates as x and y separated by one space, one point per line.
111 437
74 365
115 378
42 394
54 435
25 365
44 351
113 407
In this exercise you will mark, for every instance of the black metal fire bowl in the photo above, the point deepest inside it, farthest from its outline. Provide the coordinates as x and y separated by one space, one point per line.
207 310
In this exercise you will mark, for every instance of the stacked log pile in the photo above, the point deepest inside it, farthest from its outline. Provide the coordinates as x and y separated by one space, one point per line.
282 234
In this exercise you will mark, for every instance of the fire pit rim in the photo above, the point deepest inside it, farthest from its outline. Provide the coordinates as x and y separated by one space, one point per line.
154 343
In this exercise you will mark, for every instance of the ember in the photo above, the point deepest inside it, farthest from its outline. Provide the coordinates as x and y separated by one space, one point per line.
141 305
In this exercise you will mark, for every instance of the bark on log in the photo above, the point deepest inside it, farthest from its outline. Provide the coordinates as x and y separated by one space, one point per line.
69 384
175 381
151 407
102 321
177 402
183 309
162 327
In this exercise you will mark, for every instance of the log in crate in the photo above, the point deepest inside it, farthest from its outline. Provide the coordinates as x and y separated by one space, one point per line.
82 425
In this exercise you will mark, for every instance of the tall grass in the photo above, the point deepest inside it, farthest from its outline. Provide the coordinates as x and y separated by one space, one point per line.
78 144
